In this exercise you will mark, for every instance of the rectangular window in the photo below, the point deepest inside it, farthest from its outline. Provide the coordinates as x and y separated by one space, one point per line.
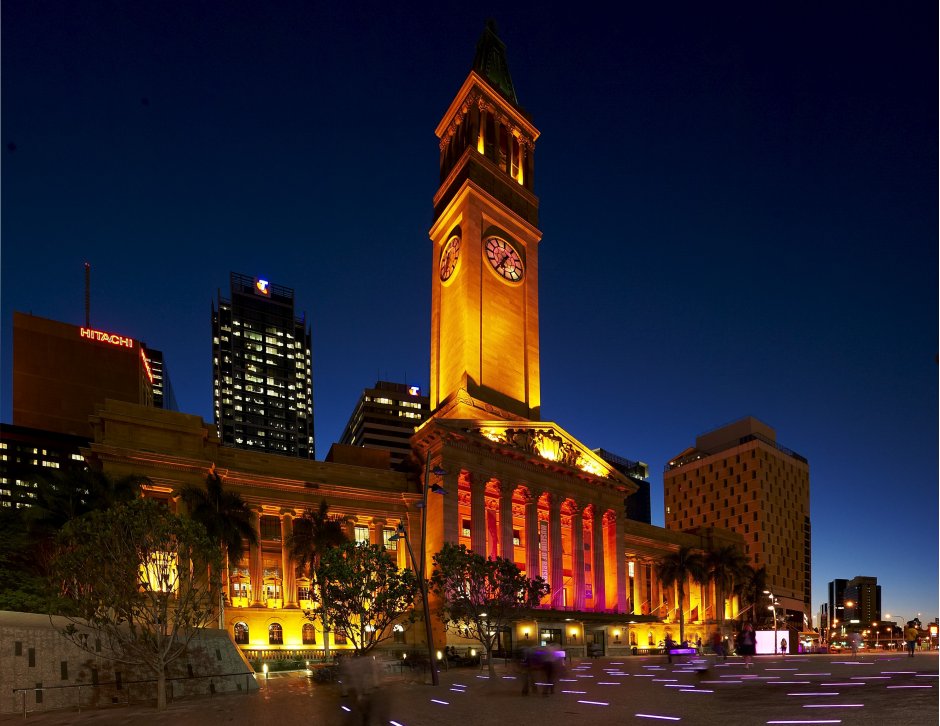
362 534
465 528
515 538
390 544
339 638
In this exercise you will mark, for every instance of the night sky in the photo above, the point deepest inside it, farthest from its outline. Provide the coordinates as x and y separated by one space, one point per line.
738 201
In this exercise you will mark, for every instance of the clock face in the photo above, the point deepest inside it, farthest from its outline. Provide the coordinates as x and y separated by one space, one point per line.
504 258
449 258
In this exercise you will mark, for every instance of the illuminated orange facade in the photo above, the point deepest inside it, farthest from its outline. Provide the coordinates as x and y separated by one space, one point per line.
516 487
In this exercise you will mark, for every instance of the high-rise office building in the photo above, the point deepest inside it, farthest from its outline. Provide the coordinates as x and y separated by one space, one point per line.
738 477
63 372
261 359
162 389
27 454
863 600
637 505
386 417
836 601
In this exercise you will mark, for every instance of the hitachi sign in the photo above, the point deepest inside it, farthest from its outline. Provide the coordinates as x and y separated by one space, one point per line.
111 338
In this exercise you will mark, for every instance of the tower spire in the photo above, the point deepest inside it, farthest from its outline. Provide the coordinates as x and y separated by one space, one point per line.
490 62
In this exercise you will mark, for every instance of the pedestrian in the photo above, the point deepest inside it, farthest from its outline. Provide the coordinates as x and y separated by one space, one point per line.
783 646
698 644
910 637
718 646
531 664
747 644
670 644
854 639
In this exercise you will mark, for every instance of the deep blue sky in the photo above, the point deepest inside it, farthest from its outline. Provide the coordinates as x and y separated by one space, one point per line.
739 207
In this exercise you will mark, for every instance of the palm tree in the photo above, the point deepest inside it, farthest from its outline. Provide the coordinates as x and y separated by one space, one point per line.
226 518
675 569
314 533
726 567
751 591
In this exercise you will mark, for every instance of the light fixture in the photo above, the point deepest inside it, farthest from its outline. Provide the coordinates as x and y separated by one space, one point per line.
525 633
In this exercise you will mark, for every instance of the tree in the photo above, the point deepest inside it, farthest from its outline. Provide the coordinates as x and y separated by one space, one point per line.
481 596
363 593
227 520
129 574
61 496
315 533
725 565
751 591
676 569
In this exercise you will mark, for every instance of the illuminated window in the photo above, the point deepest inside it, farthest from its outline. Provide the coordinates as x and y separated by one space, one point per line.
309 634
241 633
361 534
275 634
339 637
465 528
390 544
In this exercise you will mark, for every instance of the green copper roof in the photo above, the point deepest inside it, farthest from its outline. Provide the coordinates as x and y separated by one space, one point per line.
490 62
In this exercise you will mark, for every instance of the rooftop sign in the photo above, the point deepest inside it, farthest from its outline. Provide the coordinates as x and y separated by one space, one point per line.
110 338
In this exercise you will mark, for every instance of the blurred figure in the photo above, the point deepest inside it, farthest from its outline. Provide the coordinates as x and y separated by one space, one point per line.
362 680
718 646
747 644
854 639
783 646
530 669
670 644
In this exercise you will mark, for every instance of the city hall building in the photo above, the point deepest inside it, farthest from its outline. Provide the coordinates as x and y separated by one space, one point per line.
517 486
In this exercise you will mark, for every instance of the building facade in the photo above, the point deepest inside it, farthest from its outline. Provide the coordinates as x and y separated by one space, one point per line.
738 478
862 600
62 372
28 454
513 485
385 417
637 504
261 361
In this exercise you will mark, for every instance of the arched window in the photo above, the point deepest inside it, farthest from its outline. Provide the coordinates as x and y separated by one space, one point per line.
649 637
275 634
309 634
241 633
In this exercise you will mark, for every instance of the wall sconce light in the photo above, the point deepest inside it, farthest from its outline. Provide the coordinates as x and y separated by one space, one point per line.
574 635
616 636
525 633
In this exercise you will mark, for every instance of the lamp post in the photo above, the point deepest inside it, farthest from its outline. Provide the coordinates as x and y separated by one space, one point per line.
402 533
773 607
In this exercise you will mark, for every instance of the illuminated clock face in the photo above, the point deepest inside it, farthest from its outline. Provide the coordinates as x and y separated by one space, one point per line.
504 258
449 258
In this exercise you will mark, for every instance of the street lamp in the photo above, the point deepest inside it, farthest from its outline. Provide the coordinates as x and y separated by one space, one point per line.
402 533
773 607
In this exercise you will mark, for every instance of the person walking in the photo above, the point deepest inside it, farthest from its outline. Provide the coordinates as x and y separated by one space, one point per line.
910 637
783 646
748 644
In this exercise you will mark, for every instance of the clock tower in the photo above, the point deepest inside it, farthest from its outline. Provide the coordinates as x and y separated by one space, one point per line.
484 239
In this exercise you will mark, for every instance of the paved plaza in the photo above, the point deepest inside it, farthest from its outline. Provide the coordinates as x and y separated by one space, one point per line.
819 689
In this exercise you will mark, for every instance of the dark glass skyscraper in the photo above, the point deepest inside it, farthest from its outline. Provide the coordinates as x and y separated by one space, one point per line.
262 385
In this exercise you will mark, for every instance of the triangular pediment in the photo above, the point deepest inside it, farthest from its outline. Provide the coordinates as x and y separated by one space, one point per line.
542 442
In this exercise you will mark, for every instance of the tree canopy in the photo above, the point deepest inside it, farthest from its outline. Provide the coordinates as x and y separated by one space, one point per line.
224 514
363 593
133 575
480 596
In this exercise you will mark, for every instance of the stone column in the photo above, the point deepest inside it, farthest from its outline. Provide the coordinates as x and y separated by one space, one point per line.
531 535
577 559
556 566
289 584
597 551
478 515
376 527
254 561
618 560
506 550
